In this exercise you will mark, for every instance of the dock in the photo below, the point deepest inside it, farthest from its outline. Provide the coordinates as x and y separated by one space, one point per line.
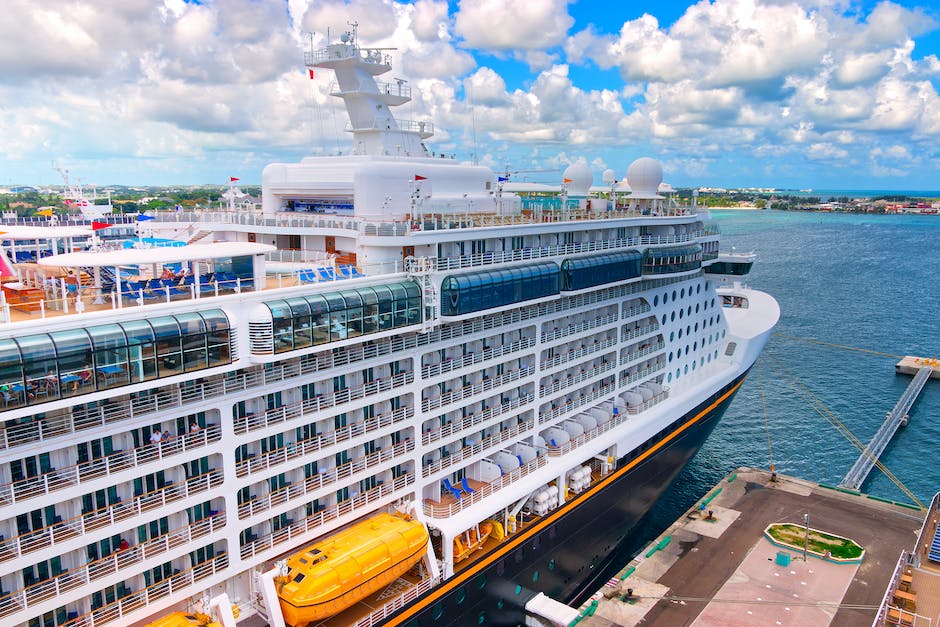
922 369
717 566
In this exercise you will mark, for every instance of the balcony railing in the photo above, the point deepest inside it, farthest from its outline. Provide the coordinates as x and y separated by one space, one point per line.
63 478
639 332
563 384
437 510
177 583
574 355
377 617
311 445
472 390
572 329
487 443
323 479
659 398
109 565
65 530
477 420
631 357
552 414
362 501
449 365
278 415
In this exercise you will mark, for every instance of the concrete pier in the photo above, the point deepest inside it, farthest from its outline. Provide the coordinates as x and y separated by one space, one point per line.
717 567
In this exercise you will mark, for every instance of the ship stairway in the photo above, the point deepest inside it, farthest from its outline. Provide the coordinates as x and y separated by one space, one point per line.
895 418
199 236
420 268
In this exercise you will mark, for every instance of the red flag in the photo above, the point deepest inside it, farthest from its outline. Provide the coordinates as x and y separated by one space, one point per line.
567 180
97 226
418 177
311 73
232 179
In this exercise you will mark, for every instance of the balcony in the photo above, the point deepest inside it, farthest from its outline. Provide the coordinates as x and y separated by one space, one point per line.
633 356
109 565
77 527
324 478
572 329
293 532
639 332
472 390
60 479
478 420
320 441
450 365
601 393
178 583
574 355
439 510
484 445
563 384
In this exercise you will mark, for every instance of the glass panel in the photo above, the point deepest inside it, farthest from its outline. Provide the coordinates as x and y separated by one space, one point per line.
110 348
193 337
39 359
300 313
11 373
169 350
141 351
282 325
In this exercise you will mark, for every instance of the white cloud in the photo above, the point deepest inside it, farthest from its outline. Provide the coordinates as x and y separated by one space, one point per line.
512 24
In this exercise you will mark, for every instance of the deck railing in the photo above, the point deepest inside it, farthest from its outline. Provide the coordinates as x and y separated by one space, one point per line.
63 478
324 478
480 419
557 386
311 445
174 584
364 501
485 444
108 565
468 391
449 365
552 414
584 351
437 510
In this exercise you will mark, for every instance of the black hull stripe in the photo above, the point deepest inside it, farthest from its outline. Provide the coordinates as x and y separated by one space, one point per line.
485 560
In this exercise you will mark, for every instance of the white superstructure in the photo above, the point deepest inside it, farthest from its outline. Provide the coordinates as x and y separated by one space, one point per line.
420 340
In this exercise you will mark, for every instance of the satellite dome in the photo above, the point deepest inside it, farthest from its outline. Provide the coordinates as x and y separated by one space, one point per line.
581 178
644 177
609 176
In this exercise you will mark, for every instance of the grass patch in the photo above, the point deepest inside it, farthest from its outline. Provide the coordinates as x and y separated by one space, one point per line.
819 542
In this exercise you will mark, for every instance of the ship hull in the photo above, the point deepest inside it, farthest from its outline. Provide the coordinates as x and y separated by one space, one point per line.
573 550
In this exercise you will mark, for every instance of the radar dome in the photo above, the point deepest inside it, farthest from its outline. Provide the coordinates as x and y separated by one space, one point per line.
609 176
581 178
644 177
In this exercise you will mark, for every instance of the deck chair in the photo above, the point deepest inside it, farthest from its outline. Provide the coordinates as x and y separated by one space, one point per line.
307 276
136 289
174 290
449 487
349 271
327 274
466 486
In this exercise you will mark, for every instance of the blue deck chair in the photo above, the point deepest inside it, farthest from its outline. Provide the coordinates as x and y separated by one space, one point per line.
466 486
174 290
307 276
451 488
136 289
327 274
349 271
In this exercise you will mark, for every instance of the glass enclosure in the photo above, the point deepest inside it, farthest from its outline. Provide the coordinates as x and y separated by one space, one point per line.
669 260
476 291
584 272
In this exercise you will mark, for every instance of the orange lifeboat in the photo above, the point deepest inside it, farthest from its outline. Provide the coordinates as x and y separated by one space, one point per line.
184 619
337 572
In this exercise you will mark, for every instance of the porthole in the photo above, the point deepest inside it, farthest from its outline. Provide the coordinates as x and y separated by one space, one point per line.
695 346
670 356
699 289
668 377
682 293
688 330
535 576
709 358
701 361
664 319
688 310
672 336
437 611
686 369
678 373
672 317
697 307
681 313
673 294
696 327
518 589
693 365
655 300
680 334
481 582
460 596
481 618
551 564
499 604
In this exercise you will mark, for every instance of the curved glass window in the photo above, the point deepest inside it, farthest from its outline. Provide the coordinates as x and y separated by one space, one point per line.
320 318
670 260
476 291
585 272
46 366
734 268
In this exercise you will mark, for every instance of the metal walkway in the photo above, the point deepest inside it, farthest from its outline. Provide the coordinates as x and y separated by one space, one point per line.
866 461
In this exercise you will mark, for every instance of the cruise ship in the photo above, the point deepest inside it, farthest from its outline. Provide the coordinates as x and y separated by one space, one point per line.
444 400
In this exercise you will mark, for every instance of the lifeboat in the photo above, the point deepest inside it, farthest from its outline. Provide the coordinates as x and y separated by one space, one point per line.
184 619
333 574
472 539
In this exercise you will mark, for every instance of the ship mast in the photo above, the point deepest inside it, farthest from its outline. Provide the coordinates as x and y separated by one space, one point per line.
368 101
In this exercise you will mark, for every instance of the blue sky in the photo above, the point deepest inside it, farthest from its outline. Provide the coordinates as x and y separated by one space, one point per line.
827 94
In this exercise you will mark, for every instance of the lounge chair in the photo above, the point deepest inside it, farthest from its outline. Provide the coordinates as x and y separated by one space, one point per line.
307 276
466 486
327 274
349 271
450 488
174 290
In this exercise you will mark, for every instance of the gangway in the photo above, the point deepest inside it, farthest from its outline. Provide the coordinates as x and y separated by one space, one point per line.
895 418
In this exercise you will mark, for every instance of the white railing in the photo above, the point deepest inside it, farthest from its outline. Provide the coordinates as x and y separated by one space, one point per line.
456 363
278 415
560 451
584 351
359 502
64 530
552 414
480 420
631 357
658 398
472 390
162 589
62 478
377 617
324 478
108 565
437 510
311 445
557 386
639 332
572 329
487 443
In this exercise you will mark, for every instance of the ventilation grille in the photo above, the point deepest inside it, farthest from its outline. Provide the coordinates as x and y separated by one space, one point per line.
261 338
729 351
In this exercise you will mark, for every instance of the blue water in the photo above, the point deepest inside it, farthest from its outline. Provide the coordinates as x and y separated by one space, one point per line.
857 280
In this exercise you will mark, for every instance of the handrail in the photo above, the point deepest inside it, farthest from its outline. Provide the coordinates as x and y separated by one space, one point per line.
479 419
490 441
444 511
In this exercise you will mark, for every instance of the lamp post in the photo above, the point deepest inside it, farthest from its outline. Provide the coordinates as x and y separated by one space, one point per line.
806 535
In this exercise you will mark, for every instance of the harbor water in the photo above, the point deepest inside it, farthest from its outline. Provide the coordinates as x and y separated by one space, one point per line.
861 281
